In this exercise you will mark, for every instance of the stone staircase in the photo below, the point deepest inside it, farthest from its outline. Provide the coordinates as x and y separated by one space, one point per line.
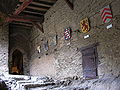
21 82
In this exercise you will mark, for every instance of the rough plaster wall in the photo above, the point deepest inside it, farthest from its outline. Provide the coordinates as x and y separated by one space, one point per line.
43 66
41 63
4 49
67 58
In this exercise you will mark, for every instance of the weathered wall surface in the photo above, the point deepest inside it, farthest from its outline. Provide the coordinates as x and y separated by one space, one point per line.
20 40
43 66
4 49
68 60
41 63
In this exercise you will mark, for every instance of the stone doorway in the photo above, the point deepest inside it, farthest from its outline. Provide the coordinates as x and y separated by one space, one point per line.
17 63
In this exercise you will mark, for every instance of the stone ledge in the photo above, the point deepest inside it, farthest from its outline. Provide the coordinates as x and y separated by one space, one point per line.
34 85
18 77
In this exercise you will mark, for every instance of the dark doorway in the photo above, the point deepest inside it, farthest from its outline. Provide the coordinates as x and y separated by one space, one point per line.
89 61
17 63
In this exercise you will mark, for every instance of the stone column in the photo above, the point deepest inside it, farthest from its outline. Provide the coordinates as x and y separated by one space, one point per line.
4 49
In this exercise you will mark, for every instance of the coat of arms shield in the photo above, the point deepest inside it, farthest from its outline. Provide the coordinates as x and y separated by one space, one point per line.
84 24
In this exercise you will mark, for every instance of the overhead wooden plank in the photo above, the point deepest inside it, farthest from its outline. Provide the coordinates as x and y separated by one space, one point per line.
10 19
45 2
29 17
20 23
50 1
37 8
33 12
69 4
25 18
41 4
22 7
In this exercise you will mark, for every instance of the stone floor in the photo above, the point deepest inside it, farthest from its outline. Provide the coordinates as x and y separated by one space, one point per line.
16 82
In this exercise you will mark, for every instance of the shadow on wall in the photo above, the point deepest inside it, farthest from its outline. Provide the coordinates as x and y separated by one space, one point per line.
3 86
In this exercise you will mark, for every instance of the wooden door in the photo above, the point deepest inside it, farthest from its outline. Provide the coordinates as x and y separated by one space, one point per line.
89 62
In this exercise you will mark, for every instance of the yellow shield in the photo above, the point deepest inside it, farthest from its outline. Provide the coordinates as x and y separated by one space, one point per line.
85 25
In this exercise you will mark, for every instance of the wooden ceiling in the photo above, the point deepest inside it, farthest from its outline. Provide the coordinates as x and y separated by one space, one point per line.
31 10
27 13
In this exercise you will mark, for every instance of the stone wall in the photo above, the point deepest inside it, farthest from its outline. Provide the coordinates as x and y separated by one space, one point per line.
39 66
41 63
4 49
68 60
20 40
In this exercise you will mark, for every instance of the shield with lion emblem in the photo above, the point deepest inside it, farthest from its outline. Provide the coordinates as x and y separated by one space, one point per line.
85 25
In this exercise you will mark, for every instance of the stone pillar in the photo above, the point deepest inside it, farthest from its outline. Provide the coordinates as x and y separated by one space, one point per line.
4 49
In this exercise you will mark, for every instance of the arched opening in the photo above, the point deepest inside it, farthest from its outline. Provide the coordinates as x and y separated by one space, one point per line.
17 63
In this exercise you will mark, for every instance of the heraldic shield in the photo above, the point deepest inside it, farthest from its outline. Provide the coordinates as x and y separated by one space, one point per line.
84 24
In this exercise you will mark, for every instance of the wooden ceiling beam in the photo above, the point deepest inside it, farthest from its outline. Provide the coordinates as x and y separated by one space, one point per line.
10 19
69 4
26 18
22 7
50 1
20 23
37 8
41 4
33 12
40 27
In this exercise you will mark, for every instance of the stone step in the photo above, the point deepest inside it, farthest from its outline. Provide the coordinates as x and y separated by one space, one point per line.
37 85
18 77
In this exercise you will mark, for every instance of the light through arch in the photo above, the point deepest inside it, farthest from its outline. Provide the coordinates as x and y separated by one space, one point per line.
17 63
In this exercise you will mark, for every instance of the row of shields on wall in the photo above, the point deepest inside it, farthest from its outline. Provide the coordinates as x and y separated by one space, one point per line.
105 14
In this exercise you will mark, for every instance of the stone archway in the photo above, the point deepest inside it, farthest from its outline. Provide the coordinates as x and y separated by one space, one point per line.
17 63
